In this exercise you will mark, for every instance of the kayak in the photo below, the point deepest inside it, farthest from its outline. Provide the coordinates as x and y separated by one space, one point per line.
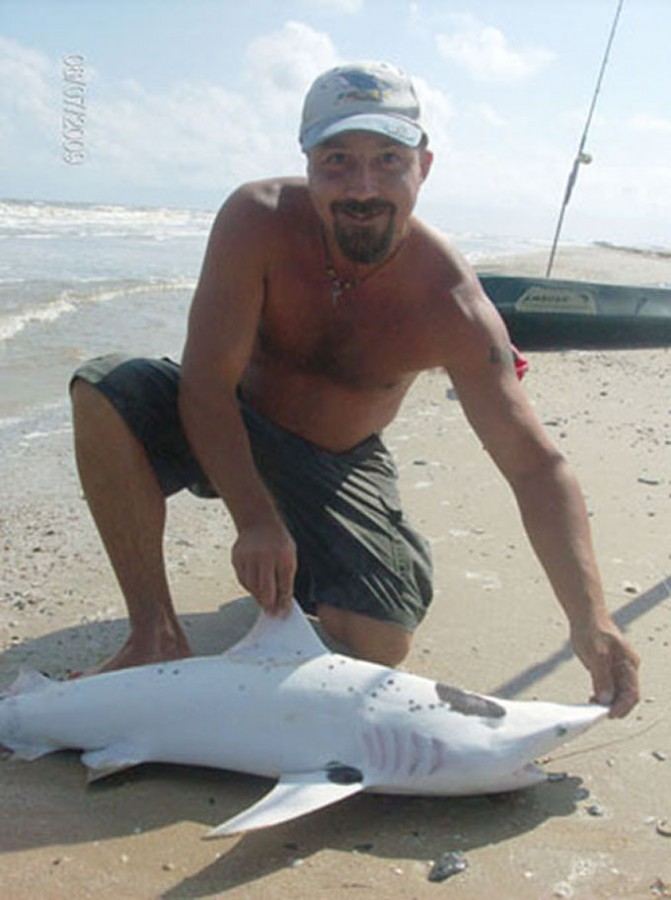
546 312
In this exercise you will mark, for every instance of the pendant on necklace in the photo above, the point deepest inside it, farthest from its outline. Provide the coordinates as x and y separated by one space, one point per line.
336 293
338 285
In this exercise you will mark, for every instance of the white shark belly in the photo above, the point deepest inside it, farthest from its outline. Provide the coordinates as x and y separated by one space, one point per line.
204 711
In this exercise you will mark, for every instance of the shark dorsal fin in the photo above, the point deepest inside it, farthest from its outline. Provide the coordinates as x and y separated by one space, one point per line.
279 639
28 681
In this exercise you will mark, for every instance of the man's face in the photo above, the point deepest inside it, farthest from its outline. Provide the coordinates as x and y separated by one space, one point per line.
364 187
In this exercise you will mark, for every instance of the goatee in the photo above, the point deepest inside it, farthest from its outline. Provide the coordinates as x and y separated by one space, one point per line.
362 243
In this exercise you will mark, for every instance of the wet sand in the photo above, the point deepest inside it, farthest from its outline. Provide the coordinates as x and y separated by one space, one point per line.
494 627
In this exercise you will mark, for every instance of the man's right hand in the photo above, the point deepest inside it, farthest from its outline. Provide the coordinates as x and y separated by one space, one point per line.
264 559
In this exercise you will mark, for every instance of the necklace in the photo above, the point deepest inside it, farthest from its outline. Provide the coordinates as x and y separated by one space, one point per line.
340 286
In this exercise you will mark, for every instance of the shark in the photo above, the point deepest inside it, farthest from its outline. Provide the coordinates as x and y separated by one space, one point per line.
280 704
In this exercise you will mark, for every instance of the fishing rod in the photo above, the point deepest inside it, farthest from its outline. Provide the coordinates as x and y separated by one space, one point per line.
582 158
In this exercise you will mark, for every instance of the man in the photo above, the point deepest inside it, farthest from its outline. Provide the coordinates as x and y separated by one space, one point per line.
319 302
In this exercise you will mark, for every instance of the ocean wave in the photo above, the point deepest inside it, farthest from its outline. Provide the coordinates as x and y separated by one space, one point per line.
13 323
41 220
652 252
69 300
477 246
44 420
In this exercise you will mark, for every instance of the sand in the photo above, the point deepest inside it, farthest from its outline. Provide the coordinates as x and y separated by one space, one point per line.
494 627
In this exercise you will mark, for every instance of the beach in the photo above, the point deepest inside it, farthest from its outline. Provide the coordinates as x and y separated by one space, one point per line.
494 627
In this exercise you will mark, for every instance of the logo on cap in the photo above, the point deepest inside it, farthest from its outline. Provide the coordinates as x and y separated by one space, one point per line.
361 86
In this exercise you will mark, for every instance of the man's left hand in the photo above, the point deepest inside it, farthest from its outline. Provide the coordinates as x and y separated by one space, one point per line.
613 665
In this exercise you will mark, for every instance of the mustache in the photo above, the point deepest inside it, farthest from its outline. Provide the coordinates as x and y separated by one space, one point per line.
370 207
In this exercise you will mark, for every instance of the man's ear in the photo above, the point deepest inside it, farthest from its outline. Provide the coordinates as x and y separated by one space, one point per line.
425 163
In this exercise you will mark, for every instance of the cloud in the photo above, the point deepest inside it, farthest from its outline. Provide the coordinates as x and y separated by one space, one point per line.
484 52
655 124
348 7
30 112
437 111
186 136
29 105
24 82
190 135
490 116
282 65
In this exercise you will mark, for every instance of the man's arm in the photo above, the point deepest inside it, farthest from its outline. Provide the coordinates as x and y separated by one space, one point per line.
223 322
548 495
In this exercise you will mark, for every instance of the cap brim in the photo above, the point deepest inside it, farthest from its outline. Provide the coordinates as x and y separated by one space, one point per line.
395 128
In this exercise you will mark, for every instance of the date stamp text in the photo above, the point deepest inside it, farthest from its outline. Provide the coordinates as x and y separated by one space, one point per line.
73 121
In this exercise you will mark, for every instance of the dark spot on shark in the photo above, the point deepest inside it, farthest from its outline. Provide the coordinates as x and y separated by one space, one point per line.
340 774
469 704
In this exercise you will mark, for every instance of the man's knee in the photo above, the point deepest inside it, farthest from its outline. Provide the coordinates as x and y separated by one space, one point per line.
366 638
94 418
99 428
86 398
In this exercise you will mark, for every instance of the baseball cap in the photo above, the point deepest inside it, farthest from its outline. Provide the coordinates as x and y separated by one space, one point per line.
365 96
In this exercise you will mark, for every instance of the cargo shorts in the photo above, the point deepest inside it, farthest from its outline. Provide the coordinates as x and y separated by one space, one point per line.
356 549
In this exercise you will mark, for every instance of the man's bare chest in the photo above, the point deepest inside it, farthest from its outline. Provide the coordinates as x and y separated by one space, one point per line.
371 336
337 344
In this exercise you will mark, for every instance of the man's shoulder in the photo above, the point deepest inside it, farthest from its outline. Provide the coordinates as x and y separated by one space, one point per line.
454 300
438 258
436 241
273 195
258 211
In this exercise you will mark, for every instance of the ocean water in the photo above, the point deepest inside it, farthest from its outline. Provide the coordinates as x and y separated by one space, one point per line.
79 280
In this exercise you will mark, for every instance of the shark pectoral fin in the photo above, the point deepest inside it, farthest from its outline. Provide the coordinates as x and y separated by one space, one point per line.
29 752
292 796
112 759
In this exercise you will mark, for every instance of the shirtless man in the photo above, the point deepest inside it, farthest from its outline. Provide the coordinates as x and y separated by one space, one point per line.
319 302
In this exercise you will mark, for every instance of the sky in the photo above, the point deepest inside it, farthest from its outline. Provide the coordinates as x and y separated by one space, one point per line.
180 101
